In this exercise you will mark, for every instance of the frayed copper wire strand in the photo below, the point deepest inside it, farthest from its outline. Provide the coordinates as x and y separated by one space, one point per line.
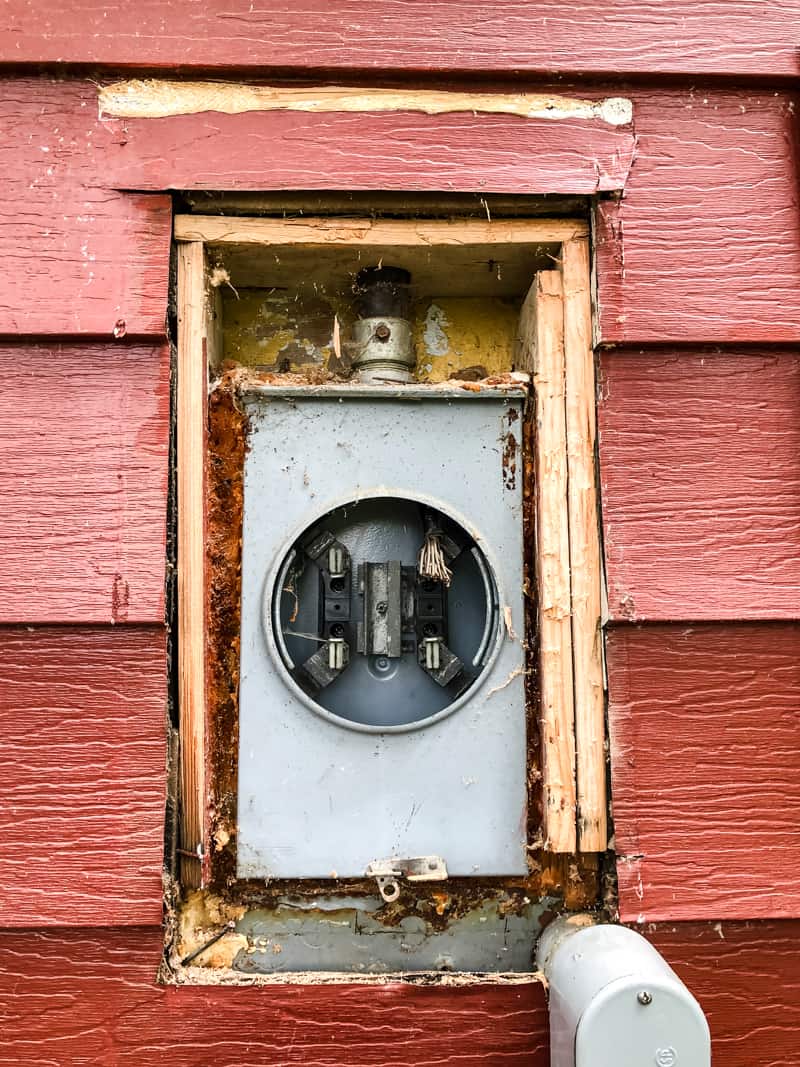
432 563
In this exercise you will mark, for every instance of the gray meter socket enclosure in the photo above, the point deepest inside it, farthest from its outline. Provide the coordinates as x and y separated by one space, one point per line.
382 710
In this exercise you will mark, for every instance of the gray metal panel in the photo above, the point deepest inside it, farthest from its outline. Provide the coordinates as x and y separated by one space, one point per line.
348 935
318 799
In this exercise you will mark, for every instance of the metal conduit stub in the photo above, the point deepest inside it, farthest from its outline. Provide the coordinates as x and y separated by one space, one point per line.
615 1002
383 348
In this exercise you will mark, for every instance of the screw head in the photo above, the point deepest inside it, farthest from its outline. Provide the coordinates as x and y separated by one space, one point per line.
382 332
644 997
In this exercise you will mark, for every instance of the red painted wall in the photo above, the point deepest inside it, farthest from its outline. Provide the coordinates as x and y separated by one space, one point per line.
699 319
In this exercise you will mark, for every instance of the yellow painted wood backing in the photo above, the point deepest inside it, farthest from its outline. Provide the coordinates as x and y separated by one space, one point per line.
293 331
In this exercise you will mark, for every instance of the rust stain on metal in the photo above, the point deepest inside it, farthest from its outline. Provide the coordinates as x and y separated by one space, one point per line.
573 880
510 457
227 444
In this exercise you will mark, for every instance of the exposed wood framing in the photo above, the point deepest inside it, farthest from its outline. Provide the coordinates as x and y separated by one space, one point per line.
191 405
584 548
557 715
219 230
555 345
555 335
154 98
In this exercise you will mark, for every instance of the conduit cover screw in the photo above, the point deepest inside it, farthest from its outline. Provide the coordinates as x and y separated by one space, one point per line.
644 998
382 332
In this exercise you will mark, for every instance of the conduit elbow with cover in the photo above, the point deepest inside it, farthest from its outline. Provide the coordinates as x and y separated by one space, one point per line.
615 1002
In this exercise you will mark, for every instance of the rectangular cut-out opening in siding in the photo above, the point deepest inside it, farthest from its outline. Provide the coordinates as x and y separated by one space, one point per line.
263 302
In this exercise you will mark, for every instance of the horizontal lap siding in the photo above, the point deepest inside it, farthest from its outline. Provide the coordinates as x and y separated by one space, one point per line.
700 473
705 744
78 258
82 775
705 244
746 978
404 151
84 433
97 1004
747 37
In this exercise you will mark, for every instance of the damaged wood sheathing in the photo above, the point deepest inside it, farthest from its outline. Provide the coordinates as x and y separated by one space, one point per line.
254 928
277 331
255 931
162 99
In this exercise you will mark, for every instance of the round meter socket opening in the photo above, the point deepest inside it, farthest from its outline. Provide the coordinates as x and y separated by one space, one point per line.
384 613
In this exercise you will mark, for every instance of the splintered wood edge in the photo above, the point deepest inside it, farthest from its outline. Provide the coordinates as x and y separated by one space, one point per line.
222 230
191 404
555 635
584 549
557 328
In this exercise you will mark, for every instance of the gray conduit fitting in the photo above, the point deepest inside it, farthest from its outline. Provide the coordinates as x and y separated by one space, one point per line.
615 1001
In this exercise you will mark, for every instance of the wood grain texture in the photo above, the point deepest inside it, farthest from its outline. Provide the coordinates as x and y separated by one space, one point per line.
82 775
78 258
705 765
705 244
700 471
97 1004
745 977
402 151
584 549
553 594
161 97
372 234
745 37
84 433
191 416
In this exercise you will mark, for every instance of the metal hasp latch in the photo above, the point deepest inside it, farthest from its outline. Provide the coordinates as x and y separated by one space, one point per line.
389 873
615 1001
403 610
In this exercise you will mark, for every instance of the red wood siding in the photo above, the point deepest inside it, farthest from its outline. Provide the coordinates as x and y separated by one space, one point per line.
97 1004
705 761
77 257
698 455
82 782
83 486
744 37
746 978
700 471
705 245
462 152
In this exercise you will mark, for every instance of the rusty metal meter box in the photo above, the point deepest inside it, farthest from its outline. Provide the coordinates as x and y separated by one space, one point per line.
382 696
